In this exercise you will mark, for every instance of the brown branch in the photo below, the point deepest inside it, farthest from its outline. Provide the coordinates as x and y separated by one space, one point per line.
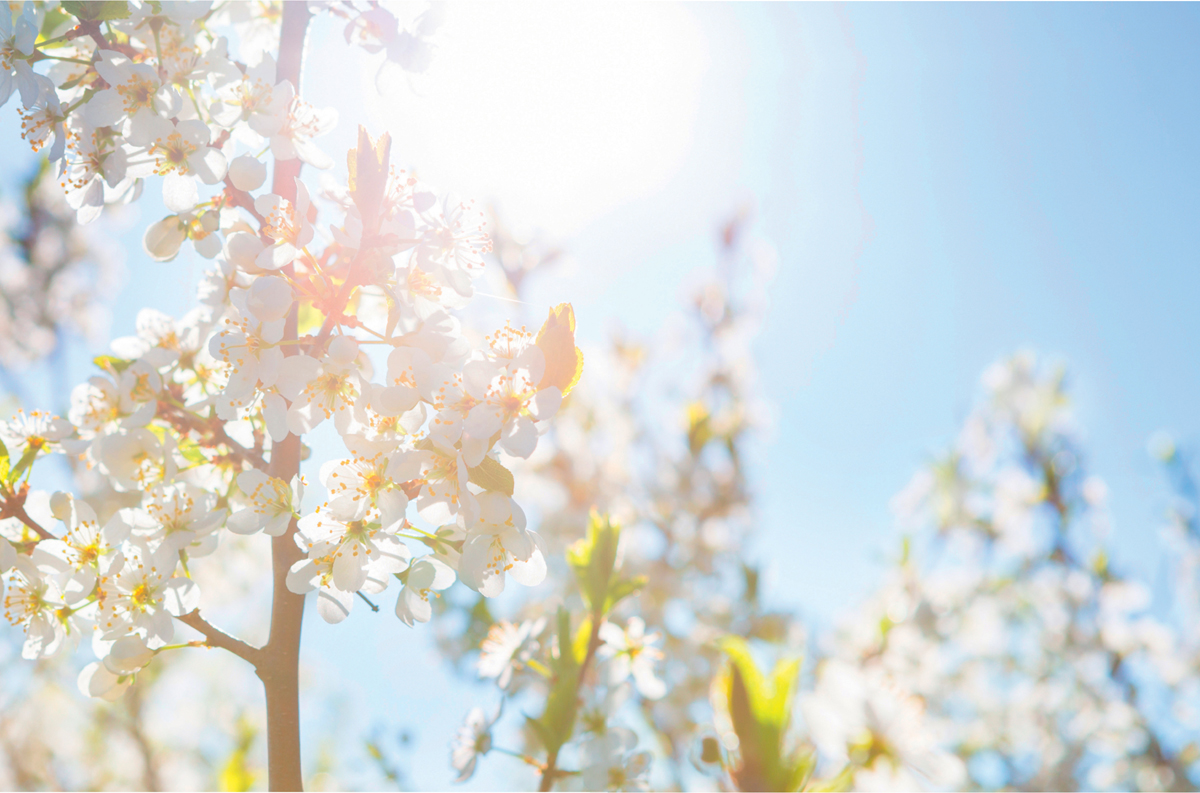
23 516
185 422
279 668
13 506
240 198
338 306
91 29
215 637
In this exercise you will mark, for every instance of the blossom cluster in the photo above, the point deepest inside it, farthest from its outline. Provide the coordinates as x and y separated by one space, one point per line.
54 274
194 420
1006 646
677 485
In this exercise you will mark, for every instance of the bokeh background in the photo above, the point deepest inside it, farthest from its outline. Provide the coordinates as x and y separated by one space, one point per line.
943 185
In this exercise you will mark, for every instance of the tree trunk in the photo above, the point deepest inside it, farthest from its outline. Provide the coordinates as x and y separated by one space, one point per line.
279 668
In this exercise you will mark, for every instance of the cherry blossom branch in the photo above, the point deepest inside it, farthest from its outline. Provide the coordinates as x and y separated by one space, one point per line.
215 637
336 316
14 507
185 421
240 198
23 516
91 29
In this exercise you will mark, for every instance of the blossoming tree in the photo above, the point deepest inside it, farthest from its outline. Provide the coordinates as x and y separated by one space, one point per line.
199 421
1005 649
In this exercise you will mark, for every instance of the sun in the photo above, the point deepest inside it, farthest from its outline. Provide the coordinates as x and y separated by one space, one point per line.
562 112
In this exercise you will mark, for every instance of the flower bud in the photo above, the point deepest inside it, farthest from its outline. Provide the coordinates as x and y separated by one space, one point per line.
241 249
162 239
247 173
270 298
343 350
128 654
60 506
96 681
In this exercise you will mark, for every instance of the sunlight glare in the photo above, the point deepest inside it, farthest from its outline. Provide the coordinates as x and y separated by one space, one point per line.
565 110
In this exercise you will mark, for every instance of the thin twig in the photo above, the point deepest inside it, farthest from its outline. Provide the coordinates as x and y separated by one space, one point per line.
215 637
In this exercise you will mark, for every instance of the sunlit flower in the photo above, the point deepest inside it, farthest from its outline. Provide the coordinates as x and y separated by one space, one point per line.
16 45
507 648
142 594
426 576
36 433
273 504
473 740
630 651
356 548
498 545
610 763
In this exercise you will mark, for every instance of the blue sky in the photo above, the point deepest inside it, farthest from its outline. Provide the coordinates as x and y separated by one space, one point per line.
945 184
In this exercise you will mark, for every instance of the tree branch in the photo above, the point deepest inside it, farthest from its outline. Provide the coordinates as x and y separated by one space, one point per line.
280 667
13 506
215 637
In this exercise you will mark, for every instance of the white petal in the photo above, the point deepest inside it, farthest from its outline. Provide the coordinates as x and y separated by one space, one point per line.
180 193
520 437
302 577
246 521
242 249
180 596
392 505
531 572
334 606
270 298
546 403
104 109
443 575
209 164
275 414
247 173
349 574
295 373
163 239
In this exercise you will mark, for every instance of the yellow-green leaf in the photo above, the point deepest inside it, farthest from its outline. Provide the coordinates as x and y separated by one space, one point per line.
564 361
491 475
97 10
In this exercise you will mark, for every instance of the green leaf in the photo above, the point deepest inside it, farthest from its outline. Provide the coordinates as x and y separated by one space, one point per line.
491 475
564 361
621 589
594 559
191 451
52 21
760 710
583 637
843 780
22 465
112 364
557 723
98 11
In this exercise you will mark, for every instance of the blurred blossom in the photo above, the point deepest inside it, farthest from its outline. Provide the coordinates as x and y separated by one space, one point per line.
55 275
